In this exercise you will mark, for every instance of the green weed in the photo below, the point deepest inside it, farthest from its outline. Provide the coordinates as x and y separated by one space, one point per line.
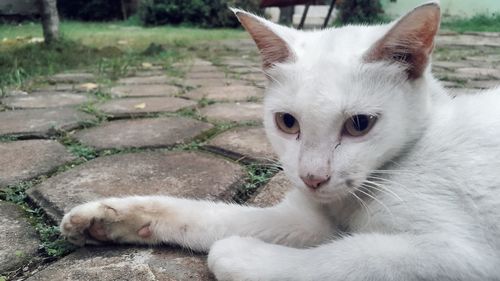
478 23
83 151
8 138
114 68
190 113
257 176
194 145
457 80
205 102
90 108
51 242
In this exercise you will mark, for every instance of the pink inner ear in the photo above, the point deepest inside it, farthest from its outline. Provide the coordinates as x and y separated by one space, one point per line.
272 48
410 41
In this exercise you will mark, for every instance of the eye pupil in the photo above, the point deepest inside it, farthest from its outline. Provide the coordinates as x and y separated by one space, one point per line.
287 123
359 125
288 120
361 122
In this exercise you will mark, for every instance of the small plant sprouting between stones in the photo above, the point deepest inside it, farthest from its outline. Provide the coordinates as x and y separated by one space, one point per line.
51 242
257 175
205 102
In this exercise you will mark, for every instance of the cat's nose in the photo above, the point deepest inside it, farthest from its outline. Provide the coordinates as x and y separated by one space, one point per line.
315 182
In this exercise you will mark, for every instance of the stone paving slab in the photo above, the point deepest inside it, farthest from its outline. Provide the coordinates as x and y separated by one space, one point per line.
183 174
45 100
238 45
14 93
146 73
238 62
489 58
211 82
203 69
160 79
226 93
18 240
141 133
261 84
462 91
485 84
480 73
131 107
461 77
64 87
483 33
120 263
73 78
256 77
273 192
451 84
245 70
138 90
233 112
243 144
24 160
200 62
465 40
206 75
41 122
452 65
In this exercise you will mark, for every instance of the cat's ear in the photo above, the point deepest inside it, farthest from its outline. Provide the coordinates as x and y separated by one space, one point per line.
271 39
410 41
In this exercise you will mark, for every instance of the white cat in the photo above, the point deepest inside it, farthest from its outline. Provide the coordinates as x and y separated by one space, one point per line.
395 180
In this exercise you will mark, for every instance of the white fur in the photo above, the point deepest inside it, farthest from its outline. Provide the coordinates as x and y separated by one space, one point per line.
436 216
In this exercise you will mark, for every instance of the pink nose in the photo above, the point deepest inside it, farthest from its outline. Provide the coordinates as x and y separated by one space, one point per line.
314 182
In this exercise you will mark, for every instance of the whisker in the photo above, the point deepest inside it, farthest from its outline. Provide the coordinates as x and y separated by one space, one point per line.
390 171
368 211
388 181
410 191
383 189
365 192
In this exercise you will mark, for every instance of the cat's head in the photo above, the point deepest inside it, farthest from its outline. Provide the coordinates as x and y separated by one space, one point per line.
343 102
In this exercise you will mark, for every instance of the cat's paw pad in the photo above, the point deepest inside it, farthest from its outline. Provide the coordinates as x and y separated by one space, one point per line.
233 259
85 223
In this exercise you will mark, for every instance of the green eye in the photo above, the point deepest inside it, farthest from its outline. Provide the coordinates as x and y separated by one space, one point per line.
359 125
287 123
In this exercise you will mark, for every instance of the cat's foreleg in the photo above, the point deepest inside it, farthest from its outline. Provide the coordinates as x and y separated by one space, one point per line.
374 257
195 224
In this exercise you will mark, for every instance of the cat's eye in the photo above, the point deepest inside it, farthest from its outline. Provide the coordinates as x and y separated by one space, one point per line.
359 125
287 123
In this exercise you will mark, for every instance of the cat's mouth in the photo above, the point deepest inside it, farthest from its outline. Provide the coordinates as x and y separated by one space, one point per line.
334 192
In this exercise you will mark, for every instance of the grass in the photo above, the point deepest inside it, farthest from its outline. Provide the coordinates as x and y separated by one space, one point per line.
108 49
123 35
478 23
19 64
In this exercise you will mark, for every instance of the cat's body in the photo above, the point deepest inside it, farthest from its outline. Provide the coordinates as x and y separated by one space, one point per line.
427 169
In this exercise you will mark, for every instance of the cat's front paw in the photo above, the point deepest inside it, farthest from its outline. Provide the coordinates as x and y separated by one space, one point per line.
89 223
237 258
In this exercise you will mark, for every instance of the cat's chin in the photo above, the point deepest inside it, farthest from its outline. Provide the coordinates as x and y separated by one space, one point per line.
326 195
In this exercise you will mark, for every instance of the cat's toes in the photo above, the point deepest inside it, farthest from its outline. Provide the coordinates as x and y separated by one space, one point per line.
84 223
233 259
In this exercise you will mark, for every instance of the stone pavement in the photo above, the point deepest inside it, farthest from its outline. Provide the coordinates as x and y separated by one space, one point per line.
193 136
